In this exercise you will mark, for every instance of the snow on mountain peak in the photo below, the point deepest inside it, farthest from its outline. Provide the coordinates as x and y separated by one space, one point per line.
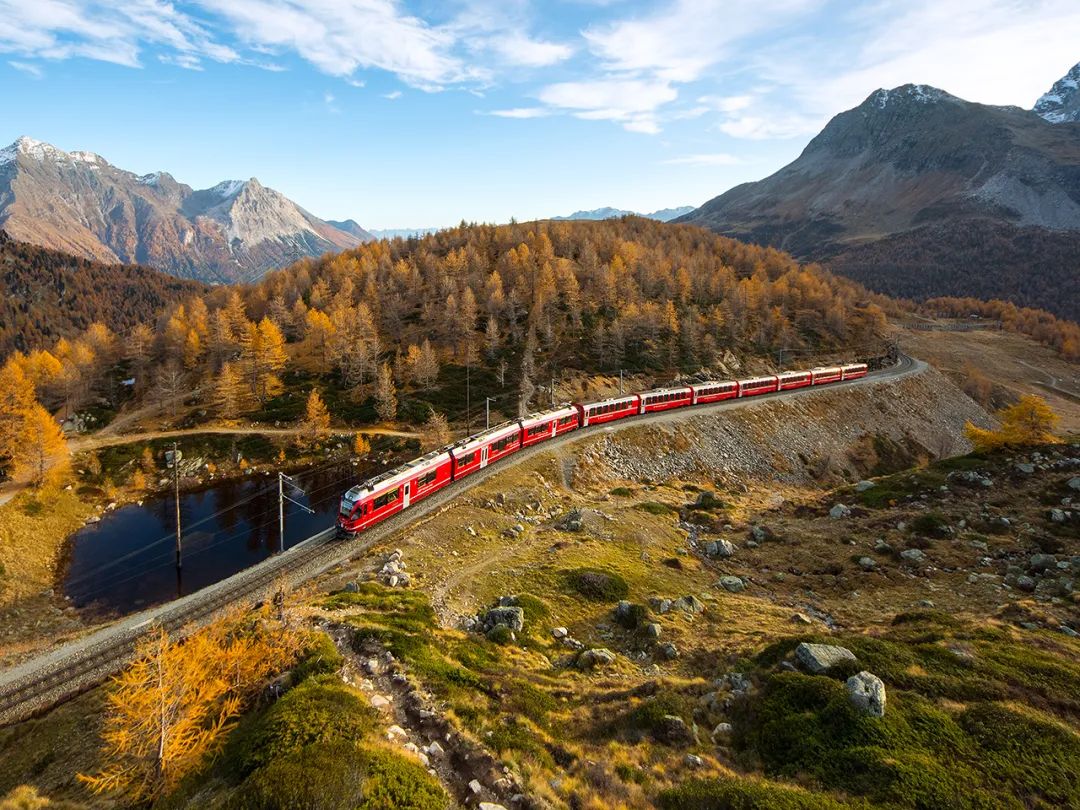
1061 104
920 93
41 151
228 188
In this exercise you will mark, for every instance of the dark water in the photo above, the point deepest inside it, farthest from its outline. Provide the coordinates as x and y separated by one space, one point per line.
128 560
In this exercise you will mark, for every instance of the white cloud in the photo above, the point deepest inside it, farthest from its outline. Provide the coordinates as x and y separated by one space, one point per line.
331 103
712 159
727 104
684 38
392 95
521 112
630 102
770 126
30 70
518 49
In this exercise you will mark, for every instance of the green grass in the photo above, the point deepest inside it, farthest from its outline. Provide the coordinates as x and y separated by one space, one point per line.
744 794
622 492
994 744
655 508
595 585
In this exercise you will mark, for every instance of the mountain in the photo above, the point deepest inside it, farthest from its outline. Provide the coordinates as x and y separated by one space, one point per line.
80 203
918 193
663 215
1062 104
46 294
404 233
352 227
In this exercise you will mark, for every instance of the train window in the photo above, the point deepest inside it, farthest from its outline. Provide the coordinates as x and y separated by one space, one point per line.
427 478
468 458
385 499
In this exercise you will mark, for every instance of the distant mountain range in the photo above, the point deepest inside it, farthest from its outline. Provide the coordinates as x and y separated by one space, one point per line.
80 203
918 193
663 215
404 233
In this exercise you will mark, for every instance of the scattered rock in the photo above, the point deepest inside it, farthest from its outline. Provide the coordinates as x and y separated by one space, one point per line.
694 761
840 511
434 749
1024 468
596 657
475 787
801 618
512 617
1026 583
732 583
867 693
669 651
572 521
867 563
490 806
1074 484
1041 562
913 555
672 730
689 604
722 730
862 486
559 632
818 658
720 548
351 587
380 702
652 630
1057 515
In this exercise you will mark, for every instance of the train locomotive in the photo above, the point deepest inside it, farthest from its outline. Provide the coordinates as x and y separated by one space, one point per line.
385 495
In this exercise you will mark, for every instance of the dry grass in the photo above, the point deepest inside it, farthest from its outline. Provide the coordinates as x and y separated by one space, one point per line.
33 528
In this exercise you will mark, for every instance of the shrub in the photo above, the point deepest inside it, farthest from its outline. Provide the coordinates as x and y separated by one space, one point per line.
633 617
323 776
930 524
320 658
654 508
622 492
500 634
393 782
314 712
600 586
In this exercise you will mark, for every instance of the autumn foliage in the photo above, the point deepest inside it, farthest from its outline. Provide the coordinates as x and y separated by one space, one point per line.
1030 421
172 706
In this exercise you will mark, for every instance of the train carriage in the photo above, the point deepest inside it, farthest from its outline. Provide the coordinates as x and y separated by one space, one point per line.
595 413
853 371
829 374
547 425
714 391
663 399
794 379
477 452
758 385
385 495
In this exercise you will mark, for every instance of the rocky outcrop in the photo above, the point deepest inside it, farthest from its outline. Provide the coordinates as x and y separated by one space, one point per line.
867 693
819 658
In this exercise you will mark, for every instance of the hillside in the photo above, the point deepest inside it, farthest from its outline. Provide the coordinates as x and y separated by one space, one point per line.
593 629
80 203
918 193
46 295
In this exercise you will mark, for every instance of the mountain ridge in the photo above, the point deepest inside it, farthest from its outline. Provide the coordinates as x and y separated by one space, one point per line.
912 164
80 203
607 212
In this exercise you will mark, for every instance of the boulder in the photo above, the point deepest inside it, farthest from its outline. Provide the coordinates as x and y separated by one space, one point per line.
759 534
801 618
1025 468
559 632
652 630
819 658
912 555
1041 562
1026 583
867 563
693 761
669 651
689 604
351 587
1057 515
1074 484
840 511
722 730
572 521
672 730
862 486
720 548
732 583
510 616
596 657
867 693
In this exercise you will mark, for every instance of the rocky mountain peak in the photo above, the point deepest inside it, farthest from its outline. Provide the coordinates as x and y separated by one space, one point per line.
1061 105
40 151
907 94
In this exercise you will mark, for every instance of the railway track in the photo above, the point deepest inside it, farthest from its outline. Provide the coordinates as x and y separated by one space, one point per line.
51 678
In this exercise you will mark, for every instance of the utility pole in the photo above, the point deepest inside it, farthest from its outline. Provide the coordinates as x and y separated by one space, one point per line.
468 399
176 485
282 497
620 382
487 412
552 392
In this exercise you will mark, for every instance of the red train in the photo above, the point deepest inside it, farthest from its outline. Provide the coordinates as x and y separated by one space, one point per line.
387 494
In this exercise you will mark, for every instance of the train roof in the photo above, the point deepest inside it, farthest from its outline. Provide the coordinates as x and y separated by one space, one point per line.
497 432
609 400
678 389
762 378
398 473
566 409
794 373
709 383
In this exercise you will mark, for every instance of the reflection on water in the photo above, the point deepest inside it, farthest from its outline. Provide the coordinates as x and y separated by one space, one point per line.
128 560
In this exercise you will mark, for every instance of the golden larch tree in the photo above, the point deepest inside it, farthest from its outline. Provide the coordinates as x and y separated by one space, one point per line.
1030 421
316 424
229 393
386 394
41 446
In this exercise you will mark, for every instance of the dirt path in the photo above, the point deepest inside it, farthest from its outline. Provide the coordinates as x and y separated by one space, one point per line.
81 443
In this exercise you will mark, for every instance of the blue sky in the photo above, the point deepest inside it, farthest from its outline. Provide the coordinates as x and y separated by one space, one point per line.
410 114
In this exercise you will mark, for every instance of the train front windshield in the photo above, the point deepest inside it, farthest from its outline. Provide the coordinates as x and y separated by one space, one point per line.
346 506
